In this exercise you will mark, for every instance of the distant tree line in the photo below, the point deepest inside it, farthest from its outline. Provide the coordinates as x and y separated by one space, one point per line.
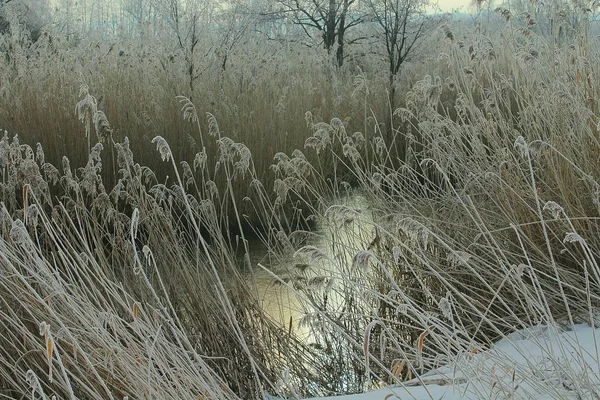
394 27
24 14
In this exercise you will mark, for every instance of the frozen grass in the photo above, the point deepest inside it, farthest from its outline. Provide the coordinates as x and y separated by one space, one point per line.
487 226
136 87
536 362
478 220
112 294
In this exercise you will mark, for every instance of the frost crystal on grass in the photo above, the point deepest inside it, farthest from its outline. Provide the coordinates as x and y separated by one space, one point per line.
188 175
33 213
87 107
318 282
18 233
572 237
520 270
242 165
336 124
308 117
349 151
213 126
537 147
124 154
396 254
135 219
377 180
51 172
280 189
521 146
380 146
415 230
95 153
212 189
102 126
404 114
311 252
402 309
361 259
147 253
188 110
40 154
319 141
445 305
458 257
34 383
163 148
200 160
554 208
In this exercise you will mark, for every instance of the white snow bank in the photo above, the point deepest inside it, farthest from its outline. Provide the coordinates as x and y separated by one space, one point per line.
539 363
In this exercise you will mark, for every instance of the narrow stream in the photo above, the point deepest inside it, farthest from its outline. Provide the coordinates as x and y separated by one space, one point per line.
327 256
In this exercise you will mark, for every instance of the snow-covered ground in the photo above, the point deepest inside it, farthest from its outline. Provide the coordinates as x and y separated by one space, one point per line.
536 363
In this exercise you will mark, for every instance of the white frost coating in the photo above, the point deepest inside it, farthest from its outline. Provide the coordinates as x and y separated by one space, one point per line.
540 362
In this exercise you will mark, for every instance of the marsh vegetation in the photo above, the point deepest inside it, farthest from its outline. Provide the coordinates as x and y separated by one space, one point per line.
143 159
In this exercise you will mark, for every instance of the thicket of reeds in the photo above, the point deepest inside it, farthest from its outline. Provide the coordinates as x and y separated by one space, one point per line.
488 224
469 213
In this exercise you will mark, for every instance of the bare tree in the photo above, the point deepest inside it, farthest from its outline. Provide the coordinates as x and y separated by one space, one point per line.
330 18
66 15
187 19
401 24
233 18
145 14
26 16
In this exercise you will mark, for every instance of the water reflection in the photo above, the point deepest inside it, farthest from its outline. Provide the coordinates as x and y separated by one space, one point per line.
326 258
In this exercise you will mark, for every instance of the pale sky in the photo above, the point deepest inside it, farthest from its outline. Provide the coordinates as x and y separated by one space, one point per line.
450 5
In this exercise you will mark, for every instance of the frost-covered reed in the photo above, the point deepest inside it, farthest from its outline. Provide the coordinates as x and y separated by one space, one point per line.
478 216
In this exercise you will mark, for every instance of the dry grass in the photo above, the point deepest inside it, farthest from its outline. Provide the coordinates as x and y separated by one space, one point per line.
137 86
487 225
129 297
119 277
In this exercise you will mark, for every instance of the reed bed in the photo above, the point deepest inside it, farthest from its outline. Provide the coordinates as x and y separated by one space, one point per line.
487 223
413 237
128 296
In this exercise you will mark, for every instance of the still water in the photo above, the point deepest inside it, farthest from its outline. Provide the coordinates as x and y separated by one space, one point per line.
323 260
